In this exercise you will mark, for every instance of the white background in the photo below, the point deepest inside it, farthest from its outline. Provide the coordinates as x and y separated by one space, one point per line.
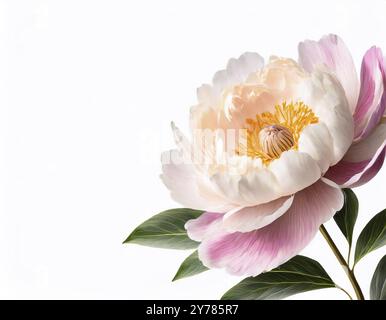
88 90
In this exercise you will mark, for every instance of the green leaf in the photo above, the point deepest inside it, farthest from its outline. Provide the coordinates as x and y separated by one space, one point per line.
297 275
190 267
165 230
372 237
347 216
378 282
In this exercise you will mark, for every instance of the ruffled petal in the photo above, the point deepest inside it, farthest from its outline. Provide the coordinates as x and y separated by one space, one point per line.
188 184
257 251
236 72
333 53
206 114
252 218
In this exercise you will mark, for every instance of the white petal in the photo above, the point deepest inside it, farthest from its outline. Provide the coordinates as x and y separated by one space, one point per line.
333 53
181 141
180 180
205 94
326 97
256 217
237 71
292 172
187 181
316 140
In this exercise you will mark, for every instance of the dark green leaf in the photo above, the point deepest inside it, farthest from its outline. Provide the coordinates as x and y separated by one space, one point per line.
378 282
372 237
297 275
165 230
347 216
190 267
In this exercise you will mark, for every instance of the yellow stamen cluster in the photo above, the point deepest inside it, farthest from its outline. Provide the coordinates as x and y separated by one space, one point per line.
271 133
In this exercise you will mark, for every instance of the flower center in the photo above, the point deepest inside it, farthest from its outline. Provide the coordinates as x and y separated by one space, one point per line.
275 139
272 133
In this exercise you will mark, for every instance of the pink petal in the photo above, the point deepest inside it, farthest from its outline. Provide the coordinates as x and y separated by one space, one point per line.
344 170
362 161
198 229
251 218
333 53
372 98
264 249
361 172
371 172
367 148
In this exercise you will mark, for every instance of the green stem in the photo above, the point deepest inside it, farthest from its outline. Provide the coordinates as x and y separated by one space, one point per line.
343 263
340 288
349 256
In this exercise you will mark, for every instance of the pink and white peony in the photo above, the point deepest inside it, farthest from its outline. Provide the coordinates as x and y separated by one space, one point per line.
303 131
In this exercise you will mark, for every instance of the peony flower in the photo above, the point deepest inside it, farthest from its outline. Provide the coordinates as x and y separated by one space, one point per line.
304 130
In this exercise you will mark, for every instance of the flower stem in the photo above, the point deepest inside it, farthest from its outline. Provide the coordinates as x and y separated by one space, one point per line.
343 263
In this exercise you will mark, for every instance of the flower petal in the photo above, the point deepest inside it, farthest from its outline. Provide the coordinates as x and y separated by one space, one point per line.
333 53
372 97
180 179
236 71
205 115
326 97
262 250
367 148
370 172
188 185
251 218
316 140
290 173
202 227
362 161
